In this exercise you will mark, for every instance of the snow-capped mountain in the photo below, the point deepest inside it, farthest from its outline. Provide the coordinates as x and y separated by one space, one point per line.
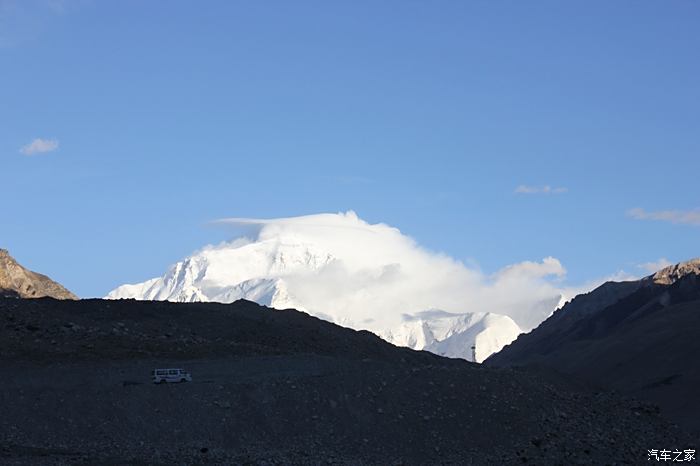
344 270
232 271
453 335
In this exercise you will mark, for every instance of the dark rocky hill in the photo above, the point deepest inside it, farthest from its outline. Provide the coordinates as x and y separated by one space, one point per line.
281 387
639 337
16 281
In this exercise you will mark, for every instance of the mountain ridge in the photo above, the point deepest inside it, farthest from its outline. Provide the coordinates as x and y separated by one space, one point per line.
672 273
307 268
281 387
17 281
638 337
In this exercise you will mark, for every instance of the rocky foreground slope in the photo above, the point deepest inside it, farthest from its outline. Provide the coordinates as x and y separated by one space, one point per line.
16 281
639 337
281 387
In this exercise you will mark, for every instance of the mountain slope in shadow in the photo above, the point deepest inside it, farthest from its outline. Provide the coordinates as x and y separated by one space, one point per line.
639 337
281 387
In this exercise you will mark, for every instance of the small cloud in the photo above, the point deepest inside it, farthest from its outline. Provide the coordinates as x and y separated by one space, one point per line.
653 267
549 266
546 189
39 146
685 217
620 276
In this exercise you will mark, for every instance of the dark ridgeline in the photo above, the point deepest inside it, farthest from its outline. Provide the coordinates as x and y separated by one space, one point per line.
281 387
639 337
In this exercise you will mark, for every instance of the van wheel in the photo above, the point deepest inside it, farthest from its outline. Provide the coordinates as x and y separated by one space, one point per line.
183 380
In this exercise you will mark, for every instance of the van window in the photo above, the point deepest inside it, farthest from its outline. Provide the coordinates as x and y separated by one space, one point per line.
161 372
172 372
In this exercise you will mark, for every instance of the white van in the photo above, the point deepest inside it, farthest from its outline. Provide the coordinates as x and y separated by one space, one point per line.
170 375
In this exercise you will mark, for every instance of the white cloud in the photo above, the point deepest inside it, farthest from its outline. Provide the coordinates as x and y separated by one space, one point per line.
546 189
379 275
687 217
619 276
653 267
549 266
38 146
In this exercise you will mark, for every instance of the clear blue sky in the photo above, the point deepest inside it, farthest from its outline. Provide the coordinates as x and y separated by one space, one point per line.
423 115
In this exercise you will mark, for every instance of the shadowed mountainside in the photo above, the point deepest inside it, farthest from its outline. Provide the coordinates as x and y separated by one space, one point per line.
638 337
16 281
281 387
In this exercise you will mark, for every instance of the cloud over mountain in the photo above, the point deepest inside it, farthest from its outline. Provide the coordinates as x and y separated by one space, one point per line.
380 273
366 276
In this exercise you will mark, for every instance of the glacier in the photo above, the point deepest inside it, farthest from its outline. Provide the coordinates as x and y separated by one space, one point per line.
364 276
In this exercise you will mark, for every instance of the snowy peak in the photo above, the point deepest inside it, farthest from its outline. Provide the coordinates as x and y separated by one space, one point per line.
231 271
453 335
365 276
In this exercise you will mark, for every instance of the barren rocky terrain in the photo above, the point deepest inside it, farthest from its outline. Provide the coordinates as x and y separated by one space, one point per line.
17 281
639 338
281 387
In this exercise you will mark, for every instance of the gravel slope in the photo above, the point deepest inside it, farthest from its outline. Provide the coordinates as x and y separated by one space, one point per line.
645 345
281 387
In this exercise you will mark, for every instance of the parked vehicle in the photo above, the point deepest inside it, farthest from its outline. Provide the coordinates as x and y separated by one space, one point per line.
170 375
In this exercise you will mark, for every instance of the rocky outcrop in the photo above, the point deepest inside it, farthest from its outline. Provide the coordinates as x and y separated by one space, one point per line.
16 281
673 273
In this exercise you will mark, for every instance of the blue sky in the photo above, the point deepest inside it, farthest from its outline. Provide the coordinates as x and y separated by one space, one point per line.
150 119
